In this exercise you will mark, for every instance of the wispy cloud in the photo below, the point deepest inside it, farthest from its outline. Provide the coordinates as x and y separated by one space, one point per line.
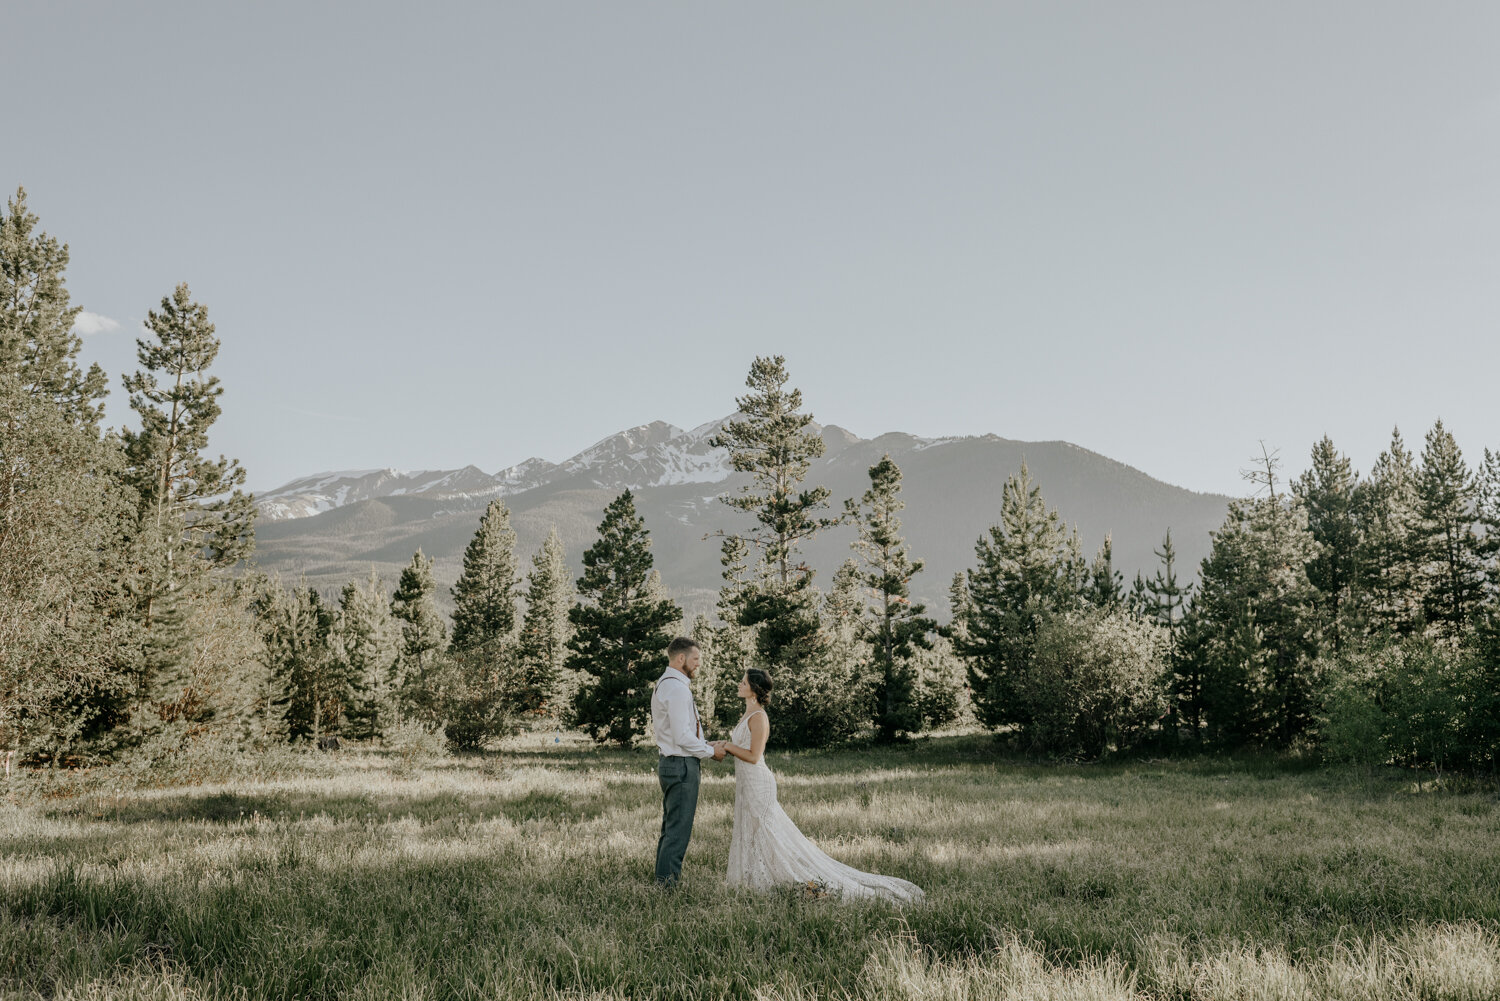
94 323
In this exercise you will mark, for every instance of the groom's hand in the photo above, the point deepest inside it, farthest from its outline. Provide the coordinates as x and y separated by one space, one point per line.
719 751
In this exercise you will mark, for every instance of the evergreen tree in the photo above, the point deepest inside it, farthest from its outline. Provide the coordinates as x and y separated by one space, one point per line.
217 682
619 628
298 626
1138 601
844 609
1252 626
1164 600
834 695
1452 562
1104 590
1328 494
365 642
708 684
38 346
484 598
959 603
847 635
656 592
899 625
187 524
1389 562
544 632
774 444
423 637
1167 599
482 687
66 647
1488 516
1029 568
733 643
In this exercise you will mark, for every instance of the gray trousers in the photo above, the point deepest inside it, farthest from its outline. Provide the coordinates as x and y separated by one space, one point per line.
679 801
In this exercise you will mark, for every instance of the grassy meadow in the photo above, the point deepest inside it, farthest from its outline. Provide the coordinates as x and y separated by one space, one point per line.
527 873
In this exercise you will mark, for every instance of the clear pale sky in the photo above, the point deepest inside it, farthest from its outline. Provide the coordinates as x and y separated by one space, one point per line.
439 234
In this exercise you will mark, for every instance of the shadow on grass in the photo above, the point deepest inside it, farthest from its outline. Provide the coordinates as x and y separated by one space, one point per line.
968 766
236 807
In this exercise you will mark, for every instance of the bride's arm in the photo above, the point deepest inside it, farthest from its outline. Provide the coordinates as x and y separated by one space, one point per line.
760 730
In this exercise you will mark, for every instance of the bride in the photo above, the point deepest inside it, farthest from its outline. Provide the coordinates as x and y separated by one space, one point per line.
766 848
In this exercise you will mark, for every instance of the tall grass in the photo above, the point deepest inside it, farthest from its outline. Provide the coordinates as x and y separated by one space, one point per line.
528 874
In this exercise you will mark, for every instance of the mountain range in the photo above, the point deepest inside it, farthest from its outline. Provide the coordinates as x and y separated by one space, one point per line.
332 526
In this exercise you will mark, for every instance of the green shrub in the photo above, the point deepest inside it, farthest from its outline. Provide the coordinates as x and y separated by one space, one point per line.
1096 683
1351 726
1421 703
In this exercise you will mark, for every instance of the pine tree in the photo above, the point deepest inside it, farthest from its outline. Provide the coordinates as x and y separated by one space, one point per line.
482 687
1488 516
656 592
1168 599
221 690
1029 568
1105 590
1452 560
365 642
67 657
848 631
188 525
774 444
1138 599
733 643
959 604
708 685
1164 600
484 598
844 609
1328 493
298 626
38 346
1253 623
834 695
545 630
899 627
1389 562
619 628
423 637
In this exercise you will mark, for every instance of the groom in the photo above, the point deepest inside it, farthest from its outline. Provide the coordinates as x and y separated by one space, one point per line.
679 738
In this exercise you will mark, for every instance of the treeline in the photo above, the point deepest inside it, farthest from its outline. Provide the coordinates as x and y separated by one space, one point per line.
1361 615
133 624
862 659
117 621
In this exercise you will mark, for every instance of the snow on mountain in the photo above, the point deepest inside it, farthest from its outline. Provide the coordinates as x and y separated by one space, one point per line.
321 492
650 455
526 475
655 454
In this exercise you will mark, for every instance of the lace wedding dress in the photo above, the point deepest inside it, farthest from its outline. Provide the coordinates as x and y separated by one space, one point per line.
767 850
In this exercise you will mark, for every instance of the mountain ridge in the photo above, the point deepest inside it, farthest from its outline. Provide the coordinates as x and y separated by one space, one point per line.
329 527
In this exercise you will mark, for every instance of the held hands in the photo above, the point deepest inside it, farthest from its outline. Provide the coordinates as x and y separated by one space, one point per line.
719 749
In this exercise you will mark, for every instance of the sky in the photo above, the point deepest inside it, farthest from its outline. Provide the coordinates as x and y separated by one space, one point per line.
438 234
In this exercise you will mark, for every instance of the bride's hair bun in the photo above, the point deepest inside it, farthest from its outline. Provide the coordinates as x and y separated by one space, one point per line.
760 683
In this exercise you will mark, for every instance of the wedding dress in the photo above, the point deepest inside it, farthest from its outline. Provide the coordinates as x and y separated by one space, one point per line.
766 848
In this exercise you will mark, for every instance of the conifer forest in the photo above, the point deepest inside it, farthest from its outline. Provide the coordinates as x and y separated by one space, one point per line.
1271 774
1354 616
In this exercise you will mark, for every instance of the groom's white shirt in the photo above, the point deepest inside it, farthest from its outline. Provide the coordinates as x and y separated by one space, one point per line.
674 718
